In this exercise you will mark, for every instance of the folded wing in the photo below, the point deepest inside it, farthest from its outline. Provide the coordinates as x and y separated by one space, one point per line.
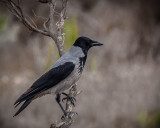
46 81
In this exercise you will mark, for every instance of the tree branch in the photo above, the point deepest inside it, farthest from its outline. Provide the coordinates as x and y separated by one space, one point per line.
57 35
69 119
17 11
60 34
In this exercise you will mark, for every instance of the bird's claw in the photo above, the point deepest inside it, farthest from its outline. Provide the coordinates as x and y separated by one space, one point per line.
72 100
68 97
68 114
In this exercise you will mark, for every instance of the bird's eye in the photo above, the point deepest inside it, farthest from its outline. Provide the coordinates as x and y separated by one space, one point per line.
87 44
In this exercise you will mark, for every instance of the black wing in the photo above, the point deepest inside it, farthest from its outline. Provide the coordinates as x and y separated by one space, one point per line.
46 81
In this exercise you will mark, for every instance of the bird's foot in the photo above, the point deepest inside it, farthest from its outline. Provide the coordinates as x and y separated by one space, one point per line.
68 97
68 115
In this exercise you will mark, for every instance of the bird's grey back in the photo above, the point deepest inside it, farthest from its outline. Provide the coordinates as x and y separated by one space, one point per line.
73 55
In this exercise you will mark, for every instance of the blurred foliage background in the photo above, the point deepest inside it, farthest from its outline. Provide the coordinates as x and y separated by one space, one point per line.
121 79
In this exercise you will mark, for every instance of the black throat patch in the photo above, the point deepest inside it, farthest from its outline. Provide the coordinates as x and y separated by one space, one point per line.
82 61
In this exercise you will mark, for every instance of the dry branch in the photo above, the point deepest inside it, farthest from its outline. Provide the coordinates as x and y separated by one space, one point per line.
56 34
69 119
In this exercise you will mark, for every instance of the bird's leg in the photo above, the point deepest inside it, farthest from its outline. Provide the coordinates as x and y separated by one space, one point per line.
58 99
68 97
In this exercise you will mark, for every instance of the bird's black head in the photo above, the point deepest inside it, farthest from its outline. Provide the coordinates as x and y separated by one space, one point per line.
85 43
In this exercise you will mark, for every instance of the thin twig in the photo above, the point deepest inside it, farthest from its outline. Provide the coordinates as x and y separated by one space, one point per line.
36 16
33 22
17 11
45 24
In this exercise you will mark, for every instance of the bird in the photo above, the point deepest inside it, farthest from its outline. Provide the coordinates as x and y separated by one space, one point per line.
62 75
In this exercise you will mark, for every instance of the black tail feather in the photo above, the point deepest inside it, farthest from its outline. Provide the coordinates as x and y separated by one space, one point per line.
17 104
27 96
18 100
25 104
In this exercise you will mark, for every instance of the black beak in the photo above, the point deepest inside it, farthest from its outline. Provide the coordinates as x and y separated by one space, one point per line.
95 43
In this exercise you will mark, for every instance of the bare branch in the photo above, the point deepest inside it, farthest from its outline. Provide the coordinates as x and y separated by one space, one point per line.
46 20
69 119
33 22
60 24
45 24
64 9
36 16
52 5
57 35
17 11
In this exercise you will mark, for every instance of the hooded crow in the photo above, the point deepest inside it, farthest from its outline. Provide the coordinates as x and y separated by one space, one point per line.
64 73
